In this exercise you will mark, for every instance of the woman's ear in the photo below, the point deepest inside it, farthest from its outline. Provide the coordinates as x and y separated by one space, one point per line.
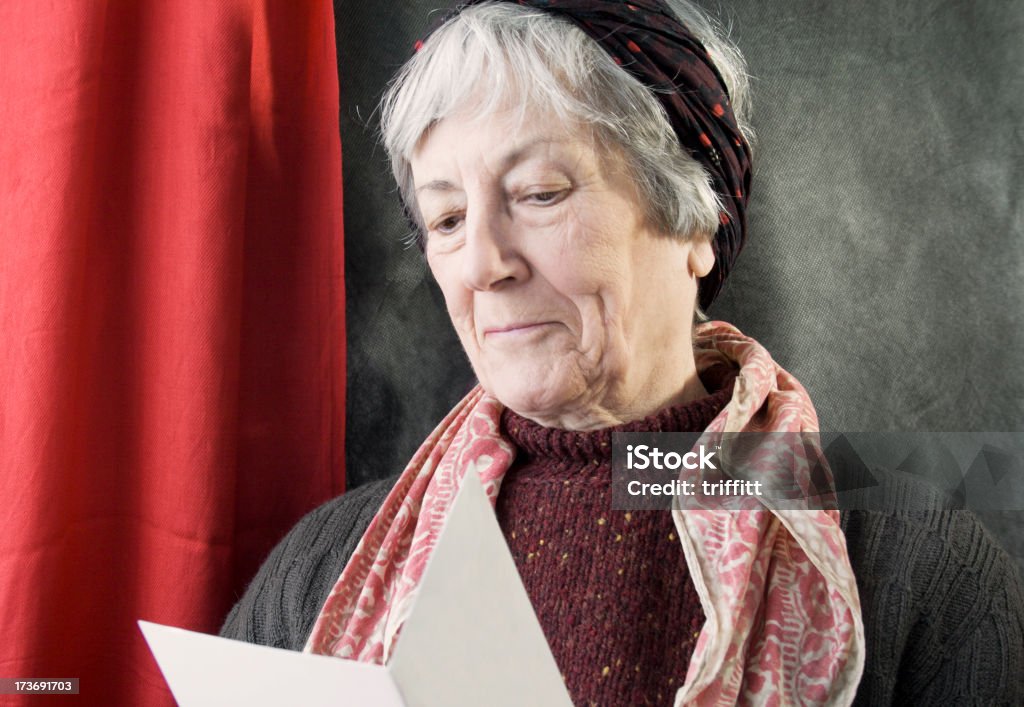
702 256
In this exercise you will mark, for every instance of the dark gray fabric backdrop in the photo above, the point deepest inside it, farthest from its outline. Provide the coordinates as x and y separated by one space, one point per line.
885 263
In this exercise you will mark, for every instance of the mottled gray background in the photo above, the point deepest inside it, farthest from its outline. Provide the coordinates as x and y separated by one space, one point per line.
885 262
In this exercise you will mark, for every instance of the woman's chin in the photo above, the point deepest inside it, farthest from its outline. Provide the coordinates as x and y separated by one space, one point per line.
533 398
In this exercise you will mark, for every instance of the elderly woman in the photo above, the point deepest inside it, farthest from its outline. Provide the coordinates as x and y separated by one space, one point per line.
578 175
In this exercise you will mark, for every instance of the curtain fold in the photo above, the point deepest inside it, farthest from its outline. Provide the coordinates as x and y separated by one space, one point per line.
172 344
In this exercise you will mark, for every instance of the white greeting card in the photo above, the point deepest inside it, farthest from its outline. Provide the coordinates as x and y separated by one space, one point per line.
471 639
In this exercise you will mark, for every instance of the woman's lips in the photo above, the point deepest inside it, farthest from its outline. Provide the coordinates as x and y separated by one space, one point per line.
514 330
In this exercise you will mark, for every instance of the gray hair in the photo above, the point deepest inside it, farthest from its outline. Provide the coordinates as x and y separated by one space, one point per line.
498 54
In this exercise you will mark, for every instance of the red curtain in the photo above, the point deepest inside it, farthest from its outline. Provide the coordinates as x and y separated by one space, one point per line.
171 318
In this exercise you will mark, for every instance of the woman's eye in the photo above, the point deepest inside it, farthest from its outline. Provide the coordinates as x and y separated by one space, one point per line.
546 197
447 225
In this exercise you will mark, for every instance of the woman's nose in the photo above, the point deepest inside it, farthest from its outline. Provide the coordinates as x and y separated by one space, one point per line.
491 256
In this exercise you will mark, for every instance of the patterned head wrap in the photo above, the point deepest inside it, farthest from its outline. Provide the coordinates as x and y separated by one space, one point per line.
646 39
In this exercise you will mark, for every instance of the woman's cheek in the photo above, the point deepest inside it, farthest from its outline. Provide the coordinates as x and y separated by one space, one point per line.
592 338
445 270
461 315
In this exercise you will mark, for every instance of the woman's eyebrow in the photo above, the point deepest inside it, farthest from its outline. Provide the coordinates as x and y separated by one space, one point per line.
441 185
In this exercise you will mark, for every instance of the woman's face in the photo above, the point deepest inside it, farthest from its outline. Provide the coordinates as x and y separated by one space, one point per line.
573 310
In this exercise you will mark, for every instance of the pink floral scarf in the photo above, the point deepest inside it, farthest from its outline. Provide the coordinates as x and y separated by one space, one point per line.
783 622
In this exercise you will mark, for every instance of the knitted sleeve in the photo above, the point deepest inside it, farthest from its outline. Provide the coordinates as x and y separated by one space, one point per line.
943 610
283 600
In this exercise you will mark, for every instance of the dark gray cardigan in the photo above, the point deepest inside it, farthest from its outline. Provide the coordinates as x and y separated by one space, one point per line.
942 603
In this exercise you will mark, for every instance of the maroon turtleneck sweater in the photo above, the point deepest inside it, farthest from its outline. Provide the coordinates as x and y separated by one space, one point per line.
611 589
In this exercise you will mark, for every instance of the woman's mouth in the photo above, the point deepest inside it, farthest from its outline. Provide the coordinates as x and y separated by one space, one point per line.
515 330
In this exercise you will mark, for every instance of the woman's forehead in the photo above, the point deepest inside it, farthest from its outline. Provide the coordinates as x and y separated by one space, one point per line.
517 111
506 132
501 142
